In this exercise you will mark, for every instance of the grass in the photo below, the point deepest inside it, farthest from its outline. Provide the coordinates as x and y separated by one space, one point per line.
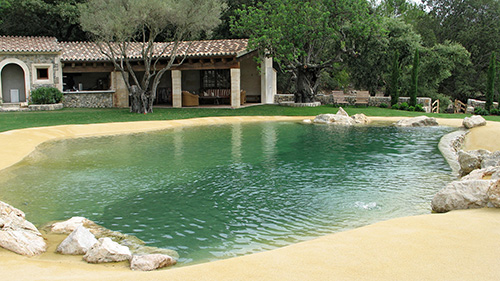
19 120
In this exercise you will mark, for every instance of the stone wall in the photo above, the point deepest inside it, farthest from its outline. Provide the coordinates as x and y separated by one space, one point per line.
479 103
351 100
89 99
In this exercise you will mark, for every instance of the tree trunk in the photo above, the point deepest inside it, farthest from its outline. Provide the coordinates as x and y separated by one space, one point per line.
141 101
307 79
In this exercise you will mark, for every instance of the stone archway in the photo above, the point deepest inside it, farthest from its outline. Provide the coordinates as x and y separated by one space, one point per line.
14 81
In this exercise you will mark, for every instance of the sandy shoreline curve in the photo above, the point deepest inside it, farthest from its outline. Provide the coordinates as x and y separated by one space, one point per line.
459 245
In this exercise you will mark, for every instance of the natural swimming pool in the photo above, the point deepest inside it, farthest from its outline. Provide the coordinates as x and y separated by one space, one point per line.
219 191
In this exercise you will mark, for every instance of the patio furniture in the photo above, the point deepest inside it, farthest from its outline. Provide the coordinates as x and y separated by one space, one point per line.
362 98
189 99
339 98
243 97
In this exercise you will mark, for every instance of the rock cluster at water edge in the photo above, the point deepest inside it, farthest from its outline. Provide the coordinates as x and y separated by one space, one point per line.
17 234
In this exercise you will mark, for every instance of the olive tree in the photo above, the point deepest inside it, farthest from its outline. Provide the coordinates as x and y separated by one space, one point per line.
304 37
124 27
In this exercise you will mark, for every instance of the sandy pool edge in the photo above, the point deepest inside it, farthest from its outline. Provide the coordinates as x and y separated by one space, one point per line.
369 254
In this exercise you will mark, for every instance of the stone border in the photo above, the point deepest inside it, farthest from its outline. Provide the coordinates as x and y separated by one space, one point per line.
304 104
449 145
33 107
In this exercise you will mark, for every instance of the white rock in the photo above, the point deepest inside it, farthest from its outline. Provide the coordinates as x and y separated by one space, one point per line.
17 234
470 160
464 194
491 160
66 227
151 262
307 121
342 112
107 251
473 121
360 118
492 173
334 119
494 195
78 242
419 121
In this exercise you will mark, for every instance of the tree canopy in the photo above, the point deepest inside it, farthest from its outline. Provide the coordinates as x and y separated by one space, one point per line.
58 18
116 24
304 37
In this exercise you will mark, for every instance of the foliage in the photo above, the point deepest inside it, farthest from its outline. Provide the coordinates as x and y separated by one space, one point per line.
393 88
419 108
304 37
41 18
114 24
383 105
438 64
494 111
475 24
46 95
490 87
404 106
395 106
371 67
480 111
414 79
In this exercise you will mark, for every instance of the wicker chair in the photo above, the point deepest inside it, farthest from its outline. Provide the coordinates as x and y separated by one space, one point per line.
189 99
243 97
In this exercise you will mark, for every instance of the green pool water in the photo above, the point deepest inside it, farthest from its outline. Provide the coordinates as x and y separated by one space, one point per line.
220 191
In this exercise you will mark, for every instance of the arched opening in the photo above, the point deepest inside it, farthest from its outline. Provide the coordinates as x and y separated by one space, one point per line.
13 84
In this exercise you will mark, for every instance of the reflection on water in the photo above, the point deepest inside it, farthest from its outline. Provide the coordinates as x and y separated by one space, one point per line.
221 191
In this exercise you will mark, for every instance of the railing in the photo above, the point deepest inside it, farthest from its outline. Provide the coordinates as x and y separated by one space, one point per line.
459 107
435 106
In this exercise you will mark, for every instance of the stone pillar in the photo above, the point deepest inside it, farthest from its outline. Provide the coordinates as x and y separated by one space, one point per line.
176 88
121 95
235 88
268 85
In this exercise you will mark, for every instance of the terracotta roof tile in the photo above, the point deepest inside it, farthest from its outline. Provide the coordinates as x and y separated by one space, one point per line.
28 44
89 51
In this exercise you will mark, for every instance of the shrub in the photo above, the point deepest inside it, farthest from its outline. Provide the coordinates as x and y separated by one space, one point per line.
494 111
404 106
480 111
411 108
383 105
419 108
46 95
395 106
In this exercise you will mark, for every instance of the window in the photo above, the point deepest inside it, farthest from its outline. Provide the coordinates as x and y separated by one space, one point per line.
42 73
216 79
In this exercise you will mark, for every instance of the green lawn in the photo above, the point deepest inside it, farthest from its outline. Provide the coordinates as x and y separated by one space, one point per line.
18 120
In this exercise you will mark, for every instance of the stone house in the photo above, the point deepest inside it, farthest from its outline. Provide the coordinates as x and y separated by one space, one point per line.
216 71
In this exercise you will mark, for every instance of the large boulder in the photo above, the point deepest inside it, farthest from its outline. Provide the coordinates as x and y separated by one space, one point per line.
473 121
491 160
107 251
334 119
78 242
360 118
17 234
151 262
464 194
490 173
68 226
420 121
471 160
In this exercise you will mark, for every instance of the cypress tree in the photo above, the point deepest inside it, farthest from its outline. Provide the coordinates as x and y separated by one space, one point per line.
394 85
490 86
414 80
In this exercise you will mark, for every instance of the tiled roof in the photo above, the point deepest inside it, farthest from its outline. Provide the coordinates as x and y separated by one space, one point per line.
28 44
89 51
